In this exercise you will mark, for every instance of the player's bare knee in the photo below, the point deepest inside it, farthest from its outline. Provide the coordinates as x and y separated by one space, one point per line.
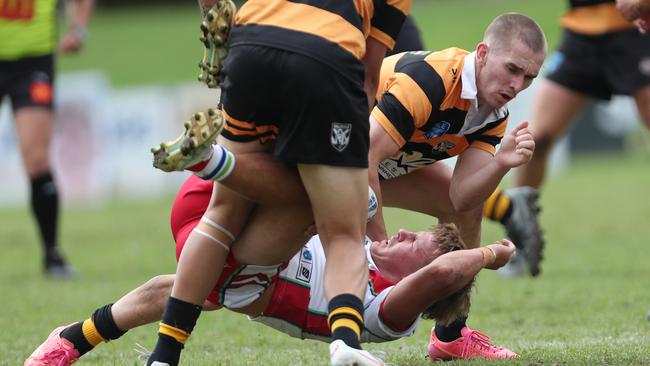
36 163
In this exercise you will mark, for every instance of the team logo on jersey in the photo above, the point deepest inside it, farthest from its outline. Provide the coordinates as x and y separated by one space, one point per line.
340 135
438 129
443 146
306 254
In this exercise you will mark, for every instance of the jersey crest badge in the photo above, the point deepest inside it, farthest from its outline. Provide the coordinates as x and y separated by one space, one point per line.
340 135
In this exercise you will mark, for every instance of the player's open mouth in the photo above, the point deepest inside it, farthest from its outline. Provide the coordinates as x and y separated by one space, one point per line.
505 96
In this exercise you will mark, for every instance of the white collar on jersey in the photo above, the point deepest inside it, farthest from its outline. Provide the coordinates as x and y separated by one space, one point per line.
473 120
371 263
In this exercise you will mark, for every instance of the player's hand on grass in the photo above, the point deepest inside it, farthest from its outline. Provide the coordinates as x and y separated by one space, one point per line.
504 250
517 147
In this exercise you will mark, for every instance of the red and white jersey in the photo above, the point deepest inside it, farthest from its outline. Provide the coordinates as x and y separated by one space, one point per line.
299 308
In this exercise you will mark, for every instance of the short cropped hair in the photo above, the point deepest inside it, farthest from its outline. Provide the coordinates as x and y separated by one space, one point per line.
457 305
510 26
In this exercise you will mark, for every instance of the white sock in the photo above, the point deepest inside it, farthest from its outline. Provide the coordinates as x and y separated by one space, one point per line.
220 165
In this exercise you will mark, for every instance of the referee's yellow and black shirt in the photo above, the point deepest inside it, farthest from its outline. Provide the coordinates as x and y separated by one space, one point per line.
427 103
594 17
331 31
27 28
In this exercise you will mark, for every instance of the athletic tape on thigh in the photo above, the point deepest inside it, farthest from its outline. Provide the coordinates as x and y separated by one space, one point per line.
201 232
218 227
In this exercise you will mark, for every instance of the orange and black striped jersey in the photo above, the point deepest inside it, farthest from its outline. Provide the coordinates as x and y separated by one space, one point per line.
331 31
593 17
428 105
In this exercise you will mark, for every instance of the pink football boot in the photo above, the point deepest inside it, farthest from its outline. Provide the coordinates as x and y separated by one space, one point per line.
471 344
54 351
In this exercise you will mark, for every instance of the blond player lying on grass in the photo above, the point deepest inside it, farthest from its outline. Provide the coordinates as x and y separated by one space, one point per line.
425 274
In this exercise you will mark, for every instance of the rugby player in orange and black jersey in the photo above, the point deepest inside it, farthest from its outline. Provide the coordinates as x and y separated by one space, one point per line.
424 102
601 53
593 17
435 105
334 33
303 75
427 111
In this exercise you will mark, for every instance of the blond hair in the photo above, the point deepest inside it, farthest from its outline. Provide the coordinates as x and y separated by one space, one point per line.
457 304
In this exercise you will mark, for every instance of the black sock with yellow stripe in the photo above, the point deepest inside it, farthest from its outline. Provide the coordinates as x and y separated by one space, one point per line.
452 331
176 325
100 327
497 207
346 319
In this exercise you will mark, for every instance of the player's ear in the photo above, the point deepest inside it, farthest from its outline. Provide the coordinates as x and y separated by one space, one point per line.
482 53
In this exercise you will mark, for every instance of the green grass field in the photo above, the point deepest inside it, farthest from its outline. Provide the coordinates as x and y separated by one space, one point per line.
588 307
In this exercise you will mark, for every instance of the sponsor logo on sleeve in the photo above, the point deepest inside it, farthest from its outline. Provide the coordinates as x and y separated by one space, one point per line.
305 266
438 129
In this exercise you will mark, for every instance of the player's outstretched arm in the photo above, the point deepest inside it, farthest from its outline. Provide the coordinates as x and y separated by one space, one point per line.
441 278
